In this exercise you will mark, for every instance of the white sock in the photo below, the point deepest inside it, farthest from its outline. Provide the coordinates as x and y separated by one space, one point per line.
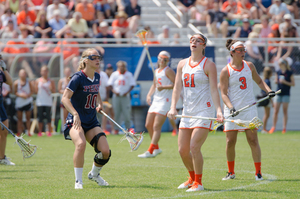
78 174
96 170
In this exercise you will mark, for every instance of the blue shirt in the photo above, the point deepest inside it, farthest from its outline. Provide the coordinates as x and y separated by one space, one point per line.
268 82
56 25
84 98
285 89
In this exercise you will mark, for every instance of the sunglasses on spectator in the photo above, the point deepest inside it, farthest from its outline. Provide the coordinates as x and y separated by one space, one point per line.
94 57
197 40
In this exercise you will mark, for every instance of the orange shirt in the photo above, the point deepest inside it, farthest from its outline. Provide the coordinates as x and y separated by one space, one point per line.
67 50
116 23
15 49
239 5
27 19
88 13
233 7
270 48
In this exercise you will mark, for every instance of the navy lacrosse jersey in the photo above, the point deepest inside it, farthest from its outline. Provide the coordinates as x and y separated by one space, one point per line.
2 80
3 115
84 98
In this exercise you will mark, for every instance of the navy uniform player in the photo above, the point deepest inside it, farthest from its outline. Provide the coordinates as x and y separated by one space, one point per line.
82 100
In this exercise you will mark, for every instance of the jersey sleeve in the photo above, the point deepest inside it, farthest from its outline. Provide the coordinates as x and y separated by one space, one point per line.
111 79
132 80
104 79
74 83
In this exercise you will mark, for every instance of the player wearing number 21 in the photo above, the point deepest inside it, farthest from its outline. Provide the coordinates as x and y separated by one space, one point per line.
197 76
81 99
236 84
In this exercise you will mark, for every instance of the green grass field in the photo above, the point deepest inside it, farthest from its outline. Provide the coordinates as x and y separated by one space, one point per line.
50 174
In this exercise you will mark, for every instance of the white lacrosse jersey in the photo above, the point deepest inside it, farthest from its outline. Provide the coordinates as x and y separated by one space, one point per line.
240 94
121 83
162 99
20 102
197 97
103 84
43 97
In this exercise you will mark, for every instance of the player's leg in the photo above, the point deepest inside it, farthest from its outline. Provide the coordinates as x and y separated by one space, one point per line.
97 138
184 139
174 127
116 102
158 123
79 141
285 106
3 136
256 152
199 136
48 119
265 118
231 137
149 123
40 115
20 122
277 103
28 122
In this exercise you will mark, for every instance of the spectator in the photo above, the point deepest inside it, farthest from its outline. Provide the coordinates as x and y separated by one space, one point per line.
87 11
202 8
277 11
78 25
215 21
56 23
8 31
263 6
244 30
187 9
104 34
176 38
267 76
265 27
102 8
253 54
230 7
287 24
41 25
62 84
133 10
23 89
25 35
164 37
121 97
14 5
26 17
96 23
43 46
120 26
56 6
44 86
151 38
244 7
9 16
285 51
70 50
293 6
284 79
272 50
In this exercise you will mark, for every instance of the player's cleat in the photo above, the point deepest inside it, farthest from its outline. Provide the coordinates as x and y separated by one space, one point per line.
174 132
283 131
78 185
186 184
258 177
156 152
147 154
40 134
195 187
49 134
229 176
100 181
272 130
264 131
6 161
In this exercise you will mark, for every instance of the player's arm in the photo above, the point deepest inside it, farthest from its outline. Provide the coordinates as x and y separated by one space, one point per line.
31 88
99 104
66 100
224 82
211 71
171 75
36 86
176 90
9 80
59 86
262 84
52 86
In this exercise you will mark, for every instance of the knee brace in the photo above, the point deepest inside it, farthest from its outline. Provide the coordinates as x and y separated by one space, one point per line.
99 158
95 140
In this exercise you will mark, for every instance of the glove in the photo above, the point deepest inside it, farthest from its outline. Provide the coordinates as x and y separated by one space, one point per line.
233 112
2 65
271 94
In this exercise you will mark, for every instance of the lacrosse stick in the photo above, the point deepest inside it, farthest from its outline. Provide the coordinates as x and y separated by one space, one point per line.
134 140
27 149
254 123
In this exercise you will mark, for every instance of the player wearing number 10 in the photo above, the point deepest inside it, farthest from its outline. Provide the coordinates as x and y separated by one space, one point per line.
236 84
198 75
81 98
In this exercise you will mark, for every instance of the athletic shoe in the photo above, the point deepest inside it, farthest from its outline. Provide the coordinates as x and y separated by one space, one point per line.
49 134
156 152
40 134
6 161
131 130
100 181
147 154
78 185
258 177
283 131
229 176
18 134
264 131
116 132
186 184
174 132
196 187
272 130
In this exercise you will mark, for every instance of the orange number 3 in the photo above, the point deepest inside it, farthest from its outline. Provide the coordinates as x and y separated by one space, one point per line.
244 83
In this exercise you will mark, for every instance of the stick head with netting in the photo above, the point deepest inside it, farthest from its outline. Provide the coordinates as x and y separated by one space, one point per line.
27 149
133 139
142 35
253 124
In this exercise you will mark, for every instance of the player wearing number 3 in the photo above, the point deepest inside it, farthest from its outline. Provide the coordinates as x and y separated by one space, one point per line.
236 84
81 99
162 88
198 75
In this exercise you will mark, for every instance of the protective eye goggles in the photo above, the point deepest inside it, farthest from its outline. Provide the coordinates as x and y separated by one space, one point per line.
240 50
197 40
164 58
93 57
238 47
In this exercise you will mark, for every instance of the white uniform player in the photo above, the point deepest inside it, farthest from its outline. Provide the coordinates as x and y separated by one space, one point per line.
197 98
240 93
103 85
161 99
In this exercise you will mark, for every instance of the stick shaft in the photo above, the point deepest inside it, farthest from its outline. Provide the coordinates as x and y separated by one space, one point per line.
114 122
203 118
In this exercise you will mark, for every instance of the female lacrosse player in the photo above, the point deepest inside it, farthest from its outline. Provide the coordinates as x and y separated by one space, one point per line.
162 88
4 77
285 80
236 84
81 98
197 76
